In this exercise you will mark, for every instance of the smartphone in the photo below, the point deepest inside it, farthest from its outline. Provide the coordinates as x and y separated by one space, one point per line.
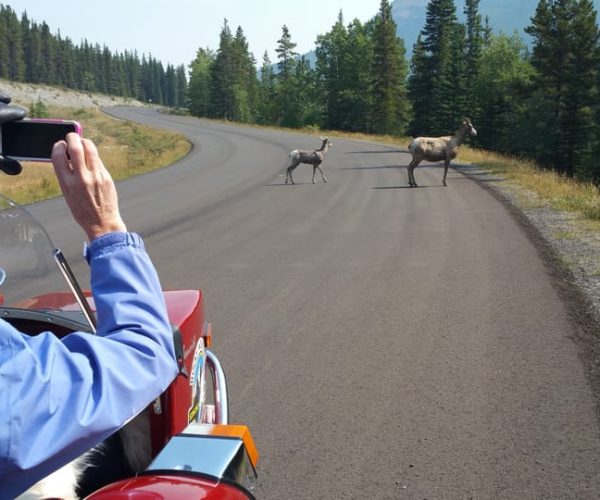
32 139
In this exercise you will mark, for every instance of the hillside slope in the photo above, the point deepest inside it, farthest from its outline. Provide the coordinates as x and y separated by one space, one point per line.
24 94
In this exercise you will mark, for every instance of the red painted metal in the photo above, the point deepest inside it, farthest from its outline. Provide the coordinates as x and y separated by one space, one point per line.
186 311
165 487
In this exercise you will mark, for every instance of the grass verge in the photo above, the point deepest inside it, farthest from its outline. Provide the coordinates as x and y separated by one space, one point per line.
126 149
547 187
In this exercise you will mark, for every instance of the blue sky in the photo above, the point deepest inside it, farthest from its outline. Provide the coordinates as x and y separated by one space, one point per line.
173 30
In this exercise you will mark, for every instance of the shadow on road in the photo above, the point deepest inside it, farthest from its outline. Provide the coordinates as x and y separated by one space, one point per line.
378 167
379 151
383 188
276 184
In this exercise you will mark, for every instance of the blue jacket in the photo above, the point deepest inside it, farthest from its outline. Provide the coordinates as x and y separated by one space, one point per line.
59 398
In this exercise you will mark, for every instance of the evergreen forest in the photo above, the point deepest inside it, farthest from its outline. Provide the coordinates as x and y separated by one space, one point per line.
537 100
30 53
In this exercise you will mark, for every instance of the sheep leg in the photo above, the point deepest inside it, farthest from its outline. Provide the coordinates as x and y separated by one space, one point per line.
411 173
446 164
314 172
288 173
322 174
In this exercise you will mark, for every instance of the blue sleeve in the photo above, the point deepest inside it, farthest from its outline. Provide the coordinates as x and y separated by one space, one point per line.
58 398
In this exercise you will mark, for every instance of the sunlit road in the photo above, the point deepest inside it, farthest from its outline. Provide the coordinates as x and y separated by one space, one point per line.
380 341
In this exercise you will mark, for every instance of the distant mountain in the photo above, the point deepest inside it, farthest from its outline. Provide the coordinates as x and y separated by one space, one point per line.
505 16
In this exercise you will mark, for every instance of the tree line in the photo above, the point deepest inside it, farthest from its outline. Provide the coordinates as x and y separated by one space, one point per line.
29 52
539 101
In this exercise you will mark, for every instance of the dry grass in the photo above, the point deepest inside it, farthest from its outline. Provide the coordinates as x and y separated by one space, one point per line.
127 149
559 192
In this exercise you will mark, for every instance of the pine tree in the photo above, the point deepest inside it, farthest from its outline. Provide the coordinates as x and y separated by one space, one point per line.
244 81
501 88
286 81
4 36
286 54
65 61
567 59
38 67
86 67
220 82
332 65
182 85
307 101
438 71
473 48
170 88
266 106
10 32
359 78
344 68
390 104
48 66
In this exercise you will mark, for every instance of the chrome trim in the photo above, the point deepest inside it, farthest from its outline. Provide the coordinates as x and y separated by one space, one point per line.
196 450
220 388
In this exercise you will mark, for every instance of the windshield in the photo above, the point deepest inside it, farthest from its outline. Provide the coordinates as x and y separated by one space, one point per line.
29 276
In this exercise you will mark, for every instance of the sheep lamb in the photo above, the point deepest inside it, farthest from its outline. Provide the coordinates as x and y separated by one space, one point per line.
314 158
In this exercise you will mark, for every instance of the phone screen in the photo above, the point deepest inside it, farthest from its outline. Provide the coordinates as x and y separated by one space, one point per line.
33 140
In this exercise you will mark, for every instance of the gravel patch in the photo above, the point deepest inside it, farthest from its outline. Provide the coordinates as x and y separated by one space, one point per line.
24 94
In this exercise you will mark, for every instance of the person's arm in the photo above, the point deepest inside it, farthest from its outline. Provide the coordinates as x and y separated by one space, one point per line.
67 396
58 398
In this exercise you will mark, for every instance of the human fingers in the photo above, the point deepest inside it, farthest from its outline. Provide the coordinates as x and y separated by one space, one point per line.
59 154
92 158
60 162
75 152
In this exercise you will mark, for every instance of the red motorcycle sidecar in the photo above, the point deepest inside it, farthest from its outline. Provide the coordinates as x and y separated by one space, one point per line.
196 453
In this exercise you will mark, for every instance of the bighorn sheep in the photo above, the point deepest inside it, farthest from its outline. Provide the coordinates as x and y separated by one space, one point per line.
314 158
437 149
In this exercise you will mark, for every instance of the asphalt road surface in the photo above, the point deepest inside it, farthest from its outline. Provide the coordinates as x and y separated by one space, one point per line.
380 341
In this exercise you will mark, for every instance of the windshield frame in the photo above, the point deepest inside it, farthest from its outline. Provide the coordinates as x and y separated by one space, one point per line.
34 275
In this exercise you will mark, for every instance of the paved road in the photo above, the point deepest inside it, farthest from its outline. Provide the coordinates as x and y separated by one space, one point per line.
381 342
